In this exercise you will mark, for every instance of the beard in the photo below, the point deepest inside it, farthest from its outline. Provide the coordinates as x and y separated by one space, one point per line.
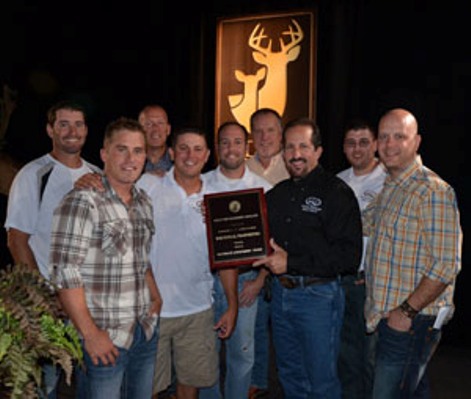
232 165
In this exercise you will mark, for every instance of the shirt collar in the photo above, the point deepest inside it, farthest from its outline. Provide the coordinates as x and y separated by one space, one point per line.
405 174
310 177
110 191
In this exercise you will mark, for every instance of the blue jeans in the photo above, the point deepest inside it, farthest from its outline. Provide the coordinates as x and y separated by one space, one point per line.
402 357
306 333
262 343
131 376
50 380
239 347
354 372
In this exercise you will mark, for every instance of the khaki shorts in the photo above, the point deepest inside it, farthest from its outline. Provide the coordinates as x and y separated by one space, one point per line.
190 342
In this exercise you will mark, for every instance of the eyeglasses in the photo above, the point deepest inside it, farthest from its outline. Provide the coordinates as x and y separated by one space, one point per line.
362 143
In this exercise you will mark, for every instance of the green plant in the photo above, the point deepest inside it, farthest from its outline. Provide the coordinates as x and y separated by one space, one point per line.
32 330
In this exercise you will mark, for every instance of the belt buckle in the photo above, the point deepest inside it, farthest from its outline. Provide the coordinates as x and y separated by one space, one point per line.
288 283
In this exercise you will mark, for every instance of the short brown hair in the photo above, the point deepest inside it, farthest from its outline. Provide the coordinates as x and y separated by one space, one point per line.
65 104
119 124
316 138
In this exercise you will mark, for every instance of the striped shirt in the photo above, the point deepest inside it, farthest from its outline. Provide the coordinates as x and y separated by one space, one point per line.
102 245
414 231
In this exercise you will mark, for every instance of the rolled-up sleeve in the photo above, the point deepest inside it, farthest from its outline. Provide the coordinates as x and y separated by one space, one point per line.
442 234
72 227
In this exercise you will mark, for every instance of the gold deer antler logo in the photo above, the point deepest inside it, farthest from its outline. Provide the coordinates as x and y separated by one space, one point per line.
273 92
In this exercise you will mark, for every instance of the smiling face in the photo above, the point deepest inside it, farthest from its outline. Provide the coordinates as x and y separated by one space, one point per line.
123 155
359 147
300 155
267 134
154 120
231 147
68 133
190 153
398 140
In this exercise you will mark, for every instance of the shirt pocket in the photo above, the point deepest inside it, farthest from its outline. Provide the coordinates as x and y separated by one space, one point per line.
115 238
396 224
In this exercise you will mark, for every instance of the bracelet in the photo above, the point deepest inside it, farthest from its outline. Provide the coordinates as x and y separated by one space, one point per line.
408 310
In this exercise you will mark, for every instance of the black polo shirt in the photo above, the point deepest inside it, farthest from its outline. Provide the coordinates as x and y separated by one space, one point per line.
317 220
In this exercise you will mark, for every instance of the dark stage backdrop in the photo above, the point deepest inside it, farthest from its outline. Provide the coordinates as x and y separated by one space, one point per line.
371 55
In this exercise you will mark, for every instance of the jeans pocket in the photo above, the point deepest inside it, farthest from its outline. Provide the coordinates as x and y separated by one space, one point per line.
393 343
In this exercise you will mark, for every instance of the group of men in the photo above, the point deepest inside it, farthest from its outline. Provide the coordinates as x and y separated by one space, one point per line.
361 263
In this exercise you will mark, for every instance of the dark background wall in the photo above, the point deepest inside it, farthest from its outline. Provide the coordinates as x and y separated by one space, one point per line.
372 55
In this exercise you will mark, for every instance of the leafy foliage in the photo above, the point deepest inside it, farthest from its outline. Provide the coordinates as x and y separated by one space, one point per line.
32 330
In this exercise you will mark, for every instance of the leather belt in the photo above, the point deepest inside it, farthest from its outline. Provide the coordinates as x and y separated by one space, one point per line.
303 281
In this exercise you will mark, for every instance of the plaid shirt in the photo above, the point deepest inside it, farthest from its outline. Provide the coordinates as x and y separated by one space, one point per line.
414 231
102 245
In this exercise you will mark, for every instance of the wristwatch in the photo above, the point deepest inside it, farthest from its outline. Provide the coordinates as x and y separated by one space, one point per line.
408 310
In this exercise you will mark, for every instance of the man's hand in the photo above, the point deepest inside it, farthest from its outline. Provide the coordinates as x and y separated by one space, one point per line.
398 321
90 180
226 324
277 262
249 293
100 348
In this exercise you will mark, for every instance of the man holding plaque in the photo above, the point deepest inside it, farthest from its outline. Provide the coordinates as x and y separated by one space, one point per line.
180 262
232 175
316 231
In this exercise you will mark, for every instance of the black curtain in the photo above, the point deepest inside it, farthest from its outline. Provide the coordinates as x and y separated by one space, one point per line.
372 55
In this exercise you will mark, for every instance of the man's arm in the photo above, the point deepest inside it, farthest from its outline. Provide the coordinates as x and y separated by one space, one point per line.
97 342
155 297
71 232
439 217
19 248
425 293
226 324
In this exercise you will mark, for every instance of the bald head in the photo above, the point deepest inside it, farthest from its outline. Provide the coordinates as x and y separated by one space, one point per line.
398 140
402 116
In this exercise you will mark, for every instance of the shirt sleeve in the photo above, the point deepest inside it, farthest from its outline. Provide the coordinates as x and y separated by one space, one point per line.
343 231
72 228
443 235
23 203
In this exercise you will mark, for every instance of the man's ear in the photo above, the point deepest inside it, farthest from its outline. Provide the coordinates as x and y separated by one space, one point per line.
418 140
103 155
49 130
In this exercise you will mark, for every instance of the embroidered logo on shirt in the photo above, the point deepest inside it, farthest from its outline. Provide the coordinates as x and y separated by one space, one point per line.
312 205
196 203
